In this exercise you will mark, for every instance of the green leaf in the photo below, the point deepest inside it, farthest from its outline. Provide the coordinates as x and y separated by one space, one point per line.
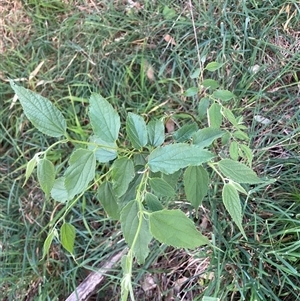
172 179
196 73
210 299
213 66
105 151
173 228
46 175
152 202
170 158
241 135
214 115
238 187
196 182
246 153
169 13
229 115
80 172
59 192
238 172
210 83
234 150
191 91
41 112
47 243
205 137
232 204
136 130
202 107
108 200
161 187
30 167
104 119
67 237
185 132
135 228
122 174
223 95
156 132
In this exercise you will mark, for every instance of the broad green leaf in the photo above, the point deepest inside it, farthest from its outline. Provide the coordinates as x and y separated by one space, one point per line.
67 237
122 174
210 83
156 132
139 160
185 132
170 158
238 172
234 150
173 228
191 91
46 175
161 187
80 172
108 200
233 205
246 152
135 228
205 137
47 243
223 95
196 73
30 167
152 202
105 151
59 192
136 130
241 135
104 119
41 112
229 115
195 181
214 115
202 107
213 66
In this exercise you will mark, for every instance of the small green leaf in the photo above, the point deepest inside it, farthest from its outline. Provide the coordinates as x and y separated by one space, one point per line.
214 115
156 132
105 151
41 112
238 187
170 158
234 150
223 95
30 167
185 132
232 204
205 137
202 107
161 187
80 172
122 174
210 83
152 202
67 237
46 175
191 91
246 152
213 66
238 172
104 119
135 228
196 182
172 179
196 73
136 130
241 135
169 13
108 200
173 228
229 115
59 192
47 243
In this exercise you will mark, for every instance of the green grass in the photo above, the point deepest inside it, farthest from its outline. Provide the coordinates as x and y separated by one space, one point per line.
107 49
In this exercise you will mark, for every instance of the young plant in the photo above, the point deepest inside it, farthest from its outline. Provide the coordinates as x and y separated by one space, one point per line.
143 170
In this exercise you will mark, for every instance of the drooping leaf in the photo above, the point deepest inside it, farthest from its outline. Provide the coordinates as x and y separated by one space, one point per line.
202 107
233 205
210 83
205 137
80 172
170 158
29 168
122 174
47 243
213 66
152 202
104 119
185 132
223 95
107 197
136 130
234 150
67 237
41 112
174 228
156 132
46 175
105 151
136 226
238 172
196 182
59 192
161 187
215 116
